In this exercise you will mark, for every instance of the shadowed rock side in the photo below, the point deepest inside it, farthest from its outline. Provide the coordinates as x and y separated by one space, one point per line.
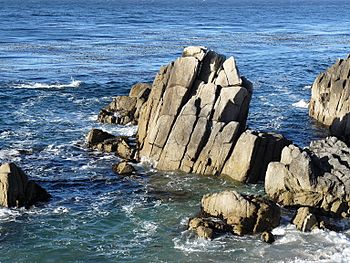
252 154
122 146
195 112
317 177
330 102
239 214
126 109
16 190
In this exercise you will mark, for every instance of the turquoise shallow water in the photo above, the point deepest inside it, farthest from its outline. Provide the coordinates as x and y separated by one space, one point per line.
60 61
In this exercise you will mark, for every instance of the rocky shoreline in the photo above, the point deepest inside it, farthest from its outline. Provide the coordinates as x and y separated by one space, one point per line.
193 119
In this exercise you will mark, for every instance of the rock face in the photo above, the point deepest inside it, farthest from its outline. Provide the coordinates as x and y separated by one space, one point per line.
16 190
103 141
317 177
305 220
126 109
123 168
330 102
242 214
251 155
196 111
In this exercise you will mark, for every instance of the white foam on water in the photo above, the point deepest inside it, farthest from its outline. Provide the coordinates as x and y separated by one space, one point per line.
61 210
7 214
10 155
307 87
36 85
301 104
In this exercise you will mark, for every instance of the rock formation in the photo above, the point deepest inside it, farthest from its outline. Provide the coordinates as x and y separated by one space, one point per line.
240 214
192 117
196 110
330 102
123 168
126 109
16 190
251 155
103 141
317 177
305 220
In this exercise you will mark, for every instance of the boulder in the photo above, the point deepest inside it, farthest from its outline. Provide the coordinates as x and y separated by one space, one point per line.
317 177
123 168
267 237
126 109
96 136
251 155
16 190
305 220
120 145
204 232
196 110
330 102
244 214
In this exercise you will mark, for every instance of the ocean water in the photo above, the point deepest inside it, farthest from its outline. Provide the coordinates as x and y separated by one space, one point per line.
62 60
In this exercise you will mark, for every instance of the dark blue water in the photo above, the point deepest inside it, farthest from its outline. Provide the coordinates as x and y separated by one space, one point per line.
61 61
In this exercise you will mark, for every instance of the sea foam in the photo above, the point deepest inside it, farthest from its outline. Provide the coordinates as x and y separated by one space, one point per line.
36 85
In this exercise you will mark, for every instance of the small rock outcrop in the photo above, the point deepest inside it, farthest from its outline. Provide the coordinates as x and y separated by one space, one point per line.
305 220
16 190
123 168
267 237
196 110
240 214
317 177
330 101
251 155
103 141
126 109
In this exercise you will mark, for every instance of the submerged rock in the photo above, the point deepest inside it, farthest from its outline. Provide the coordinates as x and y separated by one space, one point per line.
237 213
16 190
330 101
126 109
317 177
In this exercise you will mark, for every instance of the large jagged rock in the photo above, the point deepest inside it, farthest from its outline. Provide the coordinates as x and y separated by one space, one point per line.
106 142
196 110
126 109
251 155
242 214
16 190
330 102
317 177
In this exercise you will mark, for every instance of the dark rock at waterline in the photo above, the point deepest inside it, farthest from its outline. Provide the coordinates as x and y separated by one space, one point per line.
267 237
123 168
16 190
239 214
330 99
106 142
126 109
317 177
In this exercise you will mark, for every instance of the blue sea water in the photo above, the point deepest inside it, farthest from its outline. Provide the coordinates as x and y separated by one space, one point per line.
62 60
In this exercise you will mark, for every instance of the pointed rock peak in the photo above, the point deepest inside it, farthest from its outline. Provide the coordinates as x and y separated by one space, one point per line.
195 51
232 73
